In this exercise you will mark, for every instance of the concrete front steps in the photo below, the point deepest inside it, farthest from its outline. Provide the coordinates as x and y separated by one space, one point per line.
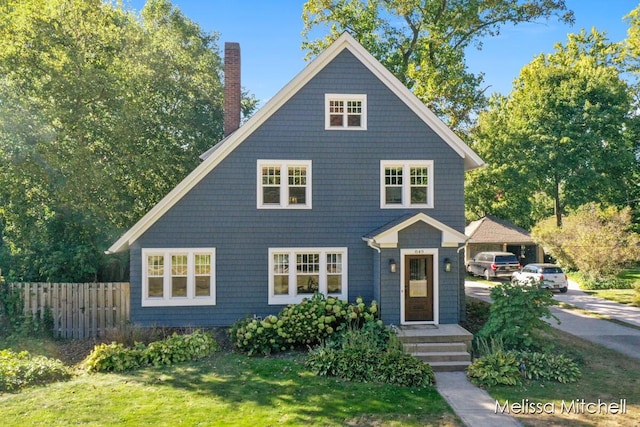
444 347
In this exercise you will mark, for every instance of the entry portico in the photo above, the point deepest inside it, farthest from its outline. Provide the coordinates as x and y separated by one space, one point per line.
417 280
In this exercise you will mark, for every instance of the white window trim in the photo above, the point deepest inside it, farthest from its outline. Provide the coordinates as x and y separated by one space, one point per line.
406 184
293 297
345 97
166 300
284 184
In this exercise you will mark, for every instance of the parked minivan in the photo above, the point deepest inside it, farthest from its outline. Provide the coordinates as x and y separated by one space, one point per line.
493 264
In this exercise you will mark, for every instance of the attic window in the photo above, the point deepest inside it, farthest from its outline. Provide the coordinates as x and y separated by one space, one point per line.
345 112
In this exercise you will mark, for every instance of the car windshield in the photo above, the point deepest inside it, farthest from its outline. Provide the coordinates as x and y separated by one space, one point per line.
552 270
506 259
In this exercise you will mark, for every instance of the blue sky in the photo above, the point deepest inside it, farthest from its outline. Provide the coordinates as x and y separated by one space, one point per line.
269 33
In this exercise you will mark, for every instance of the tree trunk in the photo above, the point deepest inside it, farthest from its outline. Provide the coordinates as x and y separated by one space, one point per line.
557 209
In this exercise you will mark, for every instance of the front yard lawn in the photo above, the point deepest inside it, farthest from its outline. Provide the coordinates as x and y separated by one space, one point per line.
606 375
225 389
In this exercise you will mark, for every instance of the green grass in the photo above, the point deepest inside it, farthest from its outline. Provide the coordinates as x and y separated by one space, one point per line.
632 275
623 296
226 389
606 375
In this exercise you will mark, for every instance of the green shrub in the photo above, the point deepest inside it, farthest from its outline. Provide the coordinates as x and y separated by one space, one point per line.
371 353
399 368
115 357
516 315
549 367
299 325
180 348
501 367
589 283
498 366
13 320
18 370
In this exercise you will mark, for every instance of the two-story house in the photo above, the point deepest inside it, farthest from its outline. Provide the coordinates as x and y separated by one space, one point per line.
343 183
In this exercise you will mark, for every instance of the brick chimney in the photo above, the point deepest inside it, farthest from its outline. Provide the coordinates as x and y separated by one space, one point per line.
232 90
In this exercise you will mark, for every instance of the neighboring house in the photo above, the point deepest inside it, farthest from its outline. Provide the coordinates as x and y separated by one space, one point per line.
494 234
344 183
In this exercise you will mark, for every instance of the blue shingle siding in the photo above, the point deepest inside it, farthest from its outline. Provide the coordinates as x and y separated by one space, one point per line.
220 211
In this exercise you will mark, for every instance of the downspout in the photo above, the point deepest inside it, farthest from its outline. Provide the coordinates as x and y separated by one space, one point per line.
458 273
372 244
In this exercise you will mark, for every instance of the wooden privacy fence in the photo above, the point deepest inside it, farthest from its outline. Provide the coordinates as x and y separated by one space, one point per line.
79 310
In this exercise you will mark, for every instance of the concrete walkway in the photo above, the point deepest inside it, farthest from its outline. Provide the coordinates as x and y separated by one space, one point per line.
472 404
477 408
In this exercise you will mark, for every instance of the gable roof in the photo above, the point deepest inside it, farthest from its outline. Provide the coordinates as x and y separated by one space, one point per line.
387 235
212 157
491 229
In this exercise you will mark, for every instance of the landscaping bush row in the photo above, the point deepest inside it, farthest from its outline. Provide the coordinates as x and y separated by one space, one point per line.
115 357
371 353
511 367
299 325
18 370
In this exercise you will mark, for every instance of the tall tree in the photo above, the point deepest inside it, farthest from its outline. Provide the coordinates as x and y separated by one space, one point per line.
631 57
423 41
568 130
102 112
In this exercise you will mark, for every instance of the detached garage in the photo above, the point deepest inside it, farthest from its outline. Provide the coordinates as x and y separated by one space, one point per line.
494 234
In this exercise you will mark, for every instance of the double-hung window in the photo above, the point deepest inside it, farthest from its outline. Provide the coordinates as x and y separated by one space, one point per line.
345 112
406 184
172 277
284 184
297 273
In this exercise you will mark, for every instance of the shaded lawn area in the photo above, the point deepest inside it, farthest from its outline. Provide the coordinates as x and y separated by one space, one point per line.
606 375
226 389
623 296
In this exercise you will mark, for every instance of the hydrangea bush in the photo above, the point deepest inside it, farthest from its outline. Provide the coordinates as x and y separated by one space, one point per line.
299 325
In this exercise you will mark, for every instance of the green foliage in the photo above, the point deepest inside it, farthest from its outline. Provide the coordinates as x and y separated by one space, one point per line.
13 320
516 315
116 113
596 240
115 357
498 366
590 283
549 367
371 353
19 370
477 314
11 310
566 135
299 325
424 46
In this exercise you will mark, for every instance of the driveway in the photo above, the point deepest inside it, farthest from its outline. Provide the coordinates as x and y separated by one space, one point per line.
623 339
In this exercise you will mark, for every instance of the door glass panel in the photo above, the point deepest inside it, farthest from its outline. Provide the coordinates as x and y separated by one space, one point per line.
418 277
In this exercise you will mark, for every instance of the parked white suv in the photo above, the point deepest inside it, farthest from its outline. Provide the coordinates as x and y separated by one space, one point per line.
550 276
